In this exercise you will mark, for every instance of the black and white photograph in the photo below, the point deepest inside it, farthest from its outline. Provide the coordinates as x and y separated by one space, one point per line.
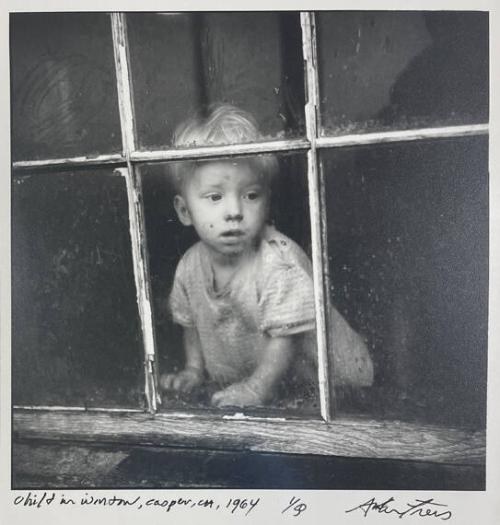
250 250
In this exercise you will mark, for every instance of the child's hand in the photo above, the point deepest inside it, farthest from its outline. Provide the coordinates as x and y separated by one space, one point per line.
183 381
240 394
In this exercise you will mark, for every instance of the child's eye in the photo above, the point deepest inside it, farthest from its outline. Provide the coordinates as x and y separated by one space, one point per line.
214 197
252 195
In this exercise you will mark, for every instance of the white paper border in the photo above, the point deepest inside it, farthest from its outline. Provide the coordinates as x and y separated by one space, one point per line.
324 506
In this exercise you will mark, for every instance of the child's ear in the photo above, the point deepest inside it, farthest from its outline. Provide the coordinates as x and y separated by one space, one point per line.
182 210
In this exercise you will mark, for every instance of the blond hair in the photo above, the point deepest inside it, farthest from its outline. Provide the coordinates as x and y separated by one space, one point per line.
223 125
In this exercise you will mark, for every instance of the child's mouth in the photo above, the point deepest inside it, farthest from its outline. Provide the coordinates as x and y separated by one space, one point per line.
228 234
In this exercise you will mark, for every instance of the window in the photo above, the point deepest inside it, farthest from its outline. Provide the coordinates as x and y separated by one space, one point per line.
379 124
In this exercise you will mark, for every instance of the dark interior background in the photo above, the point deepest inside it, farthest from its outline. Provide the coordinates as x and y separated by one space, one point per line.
76 336
63 85
181 63
390 69
412 275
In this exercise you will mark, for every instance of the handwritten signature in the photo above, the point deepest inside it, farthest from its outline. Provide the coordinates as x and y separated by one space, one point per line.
425 508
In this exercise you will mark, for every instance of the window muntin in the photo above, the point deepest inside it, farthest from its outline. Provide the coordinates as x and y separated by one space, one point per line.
388 69
210 54
412 277
64 101
75 334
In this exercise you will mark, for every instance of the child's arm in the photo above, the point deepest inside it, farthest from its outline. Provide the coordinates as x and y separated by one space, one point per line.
192 375
258 388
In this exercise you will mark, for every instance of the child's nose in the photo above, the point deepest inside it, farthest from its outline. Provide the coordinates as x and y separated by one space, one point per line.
233 211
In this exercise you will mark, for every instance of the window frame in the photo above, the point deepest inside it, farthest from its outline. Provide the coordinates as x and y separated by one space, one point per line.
328 435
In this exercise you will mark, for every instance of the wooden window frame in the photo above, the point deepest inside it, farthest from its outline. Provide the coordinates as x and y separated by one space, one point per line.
350 437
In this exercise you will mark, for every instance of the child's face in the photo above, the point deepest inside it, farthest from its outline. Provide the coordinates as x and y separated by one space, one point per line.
226 202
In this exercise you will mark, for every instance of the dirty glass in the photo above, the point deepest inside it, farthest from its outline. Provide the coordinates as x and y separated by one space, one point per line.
168 241
63 86
76 338
183 62
384 70
408 258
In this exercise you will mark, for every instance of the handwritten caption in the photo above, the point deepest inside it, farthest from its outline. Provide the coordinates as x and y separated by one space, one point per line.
239 506
294 507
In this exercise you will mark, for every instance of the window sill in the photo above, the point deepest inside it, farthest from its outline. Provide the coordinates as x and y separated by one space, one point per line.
344 437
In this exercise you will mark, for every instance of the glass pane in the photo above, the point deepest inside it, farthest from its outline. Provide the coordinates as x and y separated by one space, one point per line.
63 86
408 256
383 70
76 337
183 62
239 308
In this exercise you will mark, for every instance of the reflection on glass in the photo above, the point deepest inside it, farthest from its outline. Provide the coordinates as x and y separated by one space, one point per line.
380 70
63 86
76 338
234 286
181 63
408 256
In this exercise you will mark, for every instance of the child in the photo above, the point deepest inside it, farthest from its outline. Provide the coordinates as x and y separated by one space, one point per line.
244 292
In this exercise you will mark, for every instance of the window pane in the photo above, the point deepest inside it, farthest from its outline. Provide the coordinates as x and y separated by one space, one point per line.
242 306
383 70
63 86
76 336
183 62
408 256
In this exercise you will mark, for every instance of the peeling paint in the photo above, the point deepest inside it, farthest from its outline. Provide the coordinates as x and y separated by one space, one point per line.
55 408
180 415
402 135
125 101
136 216
141 282
96 160
203 152
239 416
317 240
